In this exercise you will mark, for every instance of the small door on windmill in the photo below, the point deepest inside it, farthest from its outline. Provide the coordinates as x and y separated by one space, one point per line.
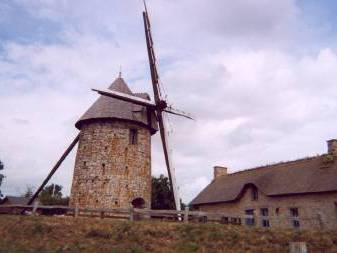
138 203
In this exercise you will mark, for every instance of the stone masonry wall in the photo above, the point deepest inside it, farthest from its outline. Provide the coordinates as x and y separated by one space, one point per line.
109 171
315 210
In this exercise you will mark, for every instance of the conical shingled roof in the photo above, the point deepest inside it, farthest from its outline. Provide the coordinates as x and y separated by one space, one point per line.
110 108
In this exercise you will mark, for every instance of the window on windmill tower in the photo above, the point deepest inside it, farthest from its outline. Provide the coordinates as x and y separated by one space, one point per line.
133 136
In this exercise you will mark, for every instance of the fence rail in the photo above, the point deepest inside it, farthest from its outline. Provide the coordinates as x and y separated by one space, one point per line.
183 215
171 215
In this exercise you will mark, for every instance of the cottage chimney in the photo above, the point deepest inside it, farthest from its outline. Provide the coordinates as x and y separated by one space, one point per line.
219 171
332 147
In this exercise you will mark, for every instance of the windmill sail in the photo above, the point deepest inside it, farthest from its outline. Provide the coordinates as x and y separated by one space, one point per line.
158 101
126 97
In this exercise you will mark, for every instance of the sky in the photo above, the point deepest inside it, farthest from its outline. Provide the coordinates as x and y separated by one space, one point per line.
258 75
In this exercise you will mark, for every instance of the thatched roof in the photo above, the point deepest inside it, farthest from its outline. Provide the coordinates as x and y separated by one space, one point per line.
311 175
106 108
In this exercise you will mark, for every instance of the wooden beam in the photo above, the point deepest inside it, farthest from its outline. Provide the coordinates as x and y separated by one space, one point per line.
54 169
178 112
126 97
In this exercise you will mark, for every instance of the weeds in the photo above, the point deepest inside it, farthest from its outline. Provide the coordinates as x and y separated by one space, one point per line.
97 233
55 234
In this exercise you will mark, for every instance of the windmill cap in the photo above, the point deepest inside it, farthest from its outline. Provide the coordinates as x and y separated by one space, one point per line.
107 108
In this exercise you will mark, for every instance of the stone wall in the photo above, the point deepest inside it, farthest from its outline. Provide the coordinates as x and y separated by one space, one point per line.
110 172
314 210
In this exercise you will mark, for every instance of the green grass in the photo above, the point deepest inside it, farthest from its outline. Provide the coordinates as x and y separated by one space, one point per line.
66 234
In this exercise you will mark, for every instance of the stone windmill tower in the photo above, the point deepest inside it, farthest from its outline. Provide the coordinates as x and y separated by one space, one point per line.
113 161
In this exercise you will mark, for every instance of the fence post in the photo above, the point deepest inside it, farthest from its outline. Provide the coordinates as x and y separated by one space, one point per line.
76 212
298 247
132 213
36 203
186 214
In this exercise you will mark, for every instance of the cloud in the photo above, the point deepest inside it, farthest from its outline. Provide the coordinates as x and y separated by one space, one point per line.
262 110
234 65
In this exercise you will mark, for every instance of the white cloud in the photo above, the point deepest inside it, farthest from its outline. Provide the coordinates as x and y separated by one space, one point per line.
282 108
255 100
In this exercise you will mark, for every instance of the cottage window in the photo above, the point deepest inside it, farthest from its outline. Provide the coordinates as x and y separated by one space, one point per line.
235 221
255 194
294 215
133 136
224 220
265 223
264 211
250 220
277 210
294 212
296 223
203 219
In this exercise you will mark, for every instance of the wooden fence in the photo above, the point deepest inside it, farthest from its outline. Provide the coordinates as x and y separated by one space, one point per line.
130 213
168 215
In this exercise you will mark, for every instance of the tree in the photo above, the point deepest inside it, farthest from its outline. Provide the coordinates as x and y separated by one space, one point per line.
52 195
29 192
1 177
162 195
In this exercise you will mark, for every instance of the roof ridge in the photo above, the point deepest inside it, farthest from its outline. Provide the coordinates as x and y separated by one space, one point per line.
308 158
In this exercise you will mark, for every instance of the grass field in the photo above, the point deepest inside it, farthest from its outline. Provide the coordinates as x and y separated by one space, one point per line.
66 234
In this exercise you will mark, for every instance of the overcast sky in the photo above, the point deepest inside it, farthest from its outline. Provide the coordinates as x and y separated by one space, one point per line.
259 75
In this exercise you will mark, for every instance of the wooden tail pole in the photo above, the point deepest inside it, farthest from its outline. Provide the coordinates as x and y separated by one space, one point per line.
54 169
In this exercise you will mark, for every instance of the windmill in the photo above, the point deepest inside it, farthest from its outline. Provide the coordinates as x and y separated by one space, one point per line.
159 107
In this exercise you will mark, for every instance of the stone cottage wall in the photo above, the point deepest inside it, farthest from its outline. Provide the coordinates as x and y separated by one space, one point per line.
315 210
110 172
